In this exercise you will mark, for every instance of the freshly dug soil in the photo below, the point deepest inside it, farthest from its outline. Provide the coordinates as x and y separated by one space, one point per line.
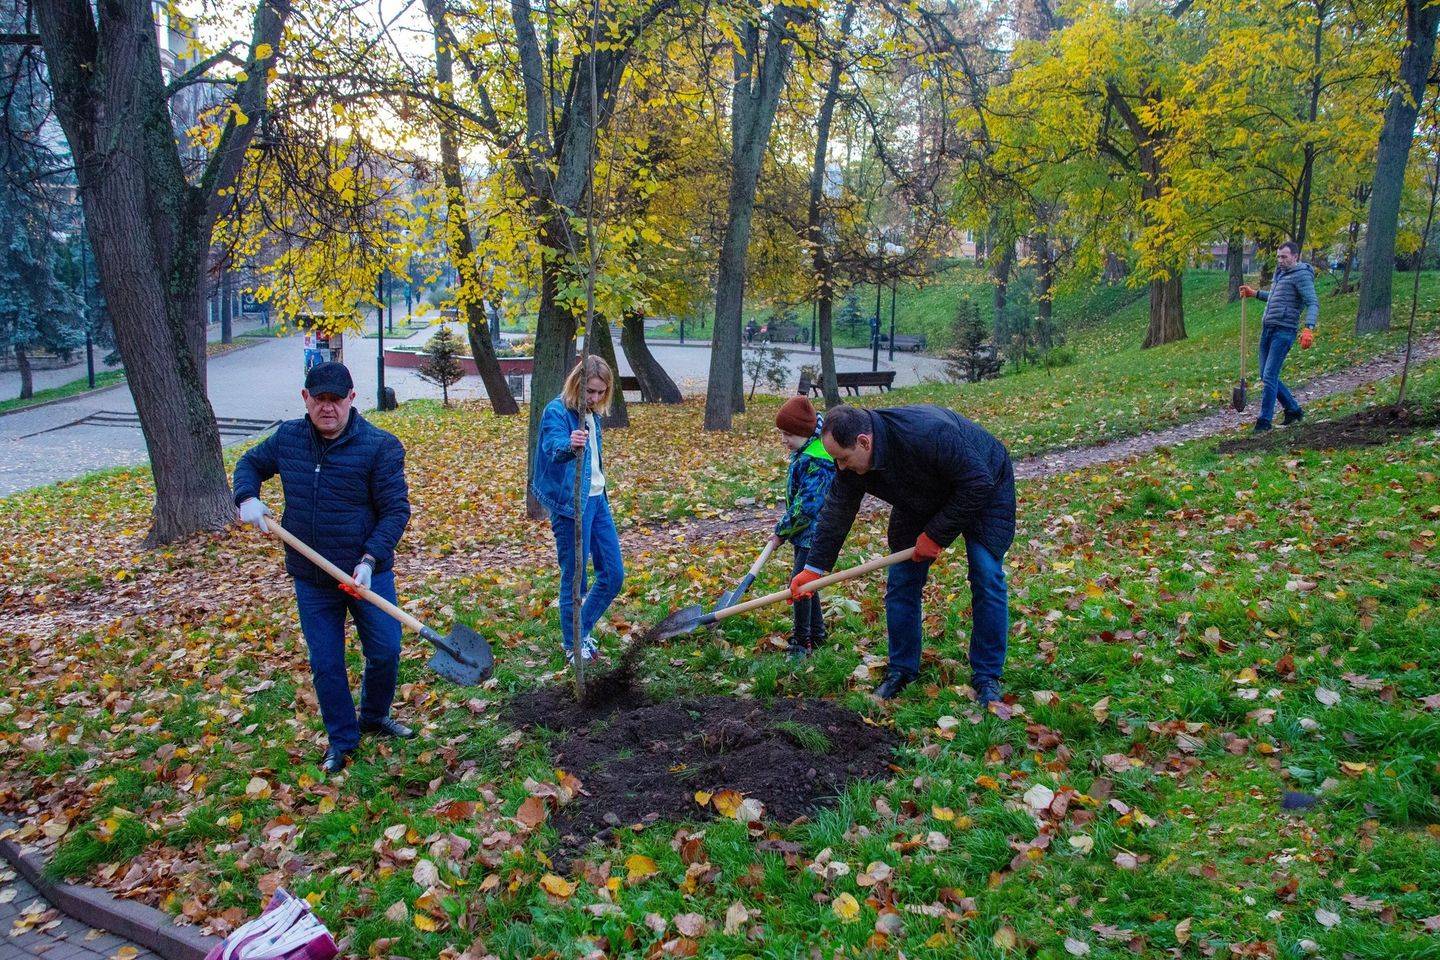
1364 428
640 761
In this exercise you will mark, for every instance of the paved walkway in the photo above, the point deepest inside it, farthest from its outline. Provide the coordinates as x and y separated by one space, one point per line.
30 928
261 384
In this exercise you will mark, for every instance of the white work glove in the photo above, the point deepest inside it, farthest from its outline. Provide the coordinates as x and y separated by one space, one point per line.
254 512
363 573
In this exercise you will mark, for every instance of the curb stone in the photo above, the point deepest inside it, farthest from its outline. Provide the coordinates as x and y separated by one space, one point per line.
136 922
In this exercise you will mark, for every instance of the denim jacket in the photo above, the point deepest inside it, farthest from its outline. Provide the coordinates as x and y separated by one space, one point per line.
554 474
811 472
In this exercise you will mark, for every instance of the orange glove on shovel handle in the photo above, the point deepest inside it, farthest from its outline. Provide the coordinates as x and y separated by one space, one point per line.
798 584
926 549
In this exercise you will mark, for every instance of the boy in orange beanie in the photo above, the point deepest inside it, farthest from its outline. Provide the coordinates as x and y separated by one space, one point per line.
807 482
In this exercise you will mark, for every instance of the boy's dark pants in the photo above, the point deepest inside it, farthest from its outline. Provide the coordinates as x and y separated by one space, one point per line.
809 622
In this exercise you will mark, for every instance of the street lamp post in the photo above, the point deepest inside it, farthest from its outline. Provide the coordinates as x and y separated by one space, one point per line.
85 306
875 322
894 282
380 331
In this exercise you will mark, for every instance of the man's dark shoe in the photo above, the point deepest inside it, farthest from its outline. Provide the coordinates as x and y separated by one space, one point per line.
1294 417
987 691
1261 426
389 727
334 761
894 683
799 650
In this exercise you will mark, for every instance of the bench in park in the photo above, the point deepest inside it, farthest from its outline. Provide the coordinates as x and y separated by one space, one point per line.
849 381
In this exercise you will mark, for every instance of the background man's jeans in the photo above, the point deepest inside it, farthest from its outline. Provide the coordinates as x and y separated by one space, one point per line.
1275 344
602 548
991 608
809 620
322 619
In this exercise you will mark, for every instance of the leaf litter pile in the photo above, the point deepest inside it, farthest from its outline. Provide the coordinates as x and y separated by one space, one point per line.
736 757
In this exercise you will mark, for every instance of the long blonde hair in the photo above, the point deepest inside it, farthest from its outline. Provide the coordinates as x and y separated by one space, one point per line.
573 392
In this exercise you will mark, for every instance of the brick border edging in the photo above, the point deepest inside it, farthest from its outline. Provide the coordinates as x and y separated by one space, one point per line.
136 922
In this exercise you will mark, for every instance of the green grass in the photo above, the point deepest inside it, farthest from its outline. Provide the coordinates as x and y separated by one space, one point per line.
106 379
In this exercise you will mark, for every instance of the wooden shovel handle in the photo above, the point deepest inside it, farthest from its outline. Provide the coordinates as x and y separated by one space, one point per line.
869 566
304 549
761 560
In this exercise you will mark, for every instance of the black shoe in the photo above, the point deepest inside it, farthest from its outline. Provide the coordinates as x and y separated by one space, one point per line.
1261 426
335 760
388 727
1295 417
987 691
895 681
799 650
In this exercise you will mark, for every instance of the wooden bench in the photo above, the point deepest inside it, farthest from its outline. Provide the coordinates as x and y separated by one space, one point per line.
629 383
850 381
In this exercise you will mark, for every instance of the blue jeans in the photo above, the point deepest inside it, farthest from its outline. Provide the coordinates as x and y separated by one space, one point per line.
989 600
602 549
1275 344
322 620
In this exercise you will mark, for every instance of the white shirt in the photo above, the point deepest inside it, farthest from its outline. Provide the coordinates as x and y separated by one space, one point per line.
597 479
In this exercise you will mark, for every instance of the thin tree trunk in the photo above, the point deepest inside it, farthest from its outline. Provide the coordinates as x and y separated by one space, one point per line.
227 308
461 242
1234 266
656 386
1002 262
759 81
1377 263
27 378
1116 269
815 221
1044 294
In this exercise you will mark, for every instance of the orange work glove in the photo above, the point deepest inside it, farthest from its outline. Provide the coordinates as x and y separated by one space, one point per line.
1247 291
797 585
926 549
1307 338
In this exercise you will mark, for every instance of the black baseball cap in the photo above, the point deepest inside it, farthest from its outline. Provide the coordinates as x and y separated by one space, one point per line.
329 377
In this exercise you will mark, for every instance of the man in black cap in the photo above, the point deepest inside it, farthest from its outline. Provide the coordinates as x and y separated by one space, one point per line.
345 495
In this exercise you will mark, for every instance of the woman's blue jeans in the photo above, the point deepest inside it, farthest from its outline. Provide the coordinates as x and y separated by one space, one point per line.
602 550
990 604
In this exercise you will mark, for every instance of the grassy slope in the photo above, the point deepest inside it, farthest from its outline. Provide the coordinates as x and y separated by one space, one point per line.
1147 598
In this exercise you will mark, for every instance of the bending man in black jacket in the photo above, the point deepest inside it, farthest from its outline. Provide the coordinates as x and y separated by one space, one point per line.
944 477
345 495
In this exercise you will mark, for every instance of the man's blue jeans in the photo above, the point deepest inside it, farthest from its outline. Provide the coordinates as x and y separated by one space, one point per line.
1275 344
990 604
322 619
602 548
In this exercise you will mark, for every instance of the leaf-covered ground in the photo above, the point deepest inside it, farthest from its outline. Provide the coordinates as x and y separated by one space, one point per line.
1195 635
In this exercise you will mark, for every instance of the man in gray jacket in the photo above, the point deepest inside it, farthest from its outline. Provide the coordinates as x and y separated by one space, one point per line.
1291 294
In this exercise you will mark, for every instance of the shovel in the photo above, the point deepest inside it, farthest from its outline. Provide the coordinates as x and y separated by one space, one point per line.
692 618
731 597
464 657
1237 396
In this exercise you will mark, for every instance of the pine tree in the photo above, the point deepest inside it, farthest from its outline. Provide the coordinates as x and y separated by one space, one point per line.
973 357
442 365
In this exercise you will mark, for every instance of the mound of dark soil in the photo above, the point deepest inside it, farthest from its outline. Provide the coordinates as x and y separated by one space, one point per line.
1364 428
641 761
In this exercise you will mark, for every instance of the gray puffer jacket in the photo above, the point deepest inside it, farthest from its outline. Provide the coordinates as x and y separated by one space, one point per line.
1292 292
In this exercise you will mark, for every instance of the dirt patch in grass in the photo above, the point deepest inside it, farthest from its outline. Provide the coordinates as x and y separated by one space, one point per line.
1364 428
641 761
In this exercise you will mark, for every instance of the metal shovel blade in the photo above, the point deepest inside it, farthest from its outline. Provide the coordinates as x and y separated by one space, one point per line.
1237 397
679 622
464 658
731 597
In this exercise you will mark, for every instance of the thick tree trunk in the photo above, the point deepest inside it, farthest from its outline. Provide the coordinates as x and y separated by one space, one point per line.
27 377
150 230
602 345
1116 269
829 385
1234 266
1377 262
758 84
461 242
554 351
1167 312
656 386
